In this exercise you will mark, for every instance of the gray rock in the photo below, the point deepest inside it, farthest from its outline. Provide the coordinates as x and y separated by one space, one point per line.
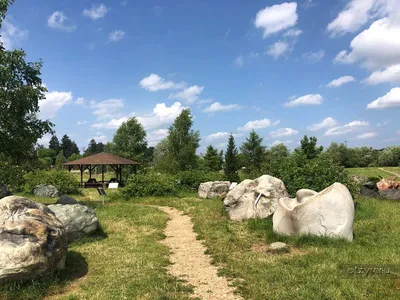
78 220
390 194
213 189
278 247
33 241
369 189
65 200
49 191
4 192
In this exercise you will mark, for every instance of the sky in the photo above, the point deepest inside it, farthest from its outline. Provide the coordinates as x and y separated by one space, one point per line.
329 69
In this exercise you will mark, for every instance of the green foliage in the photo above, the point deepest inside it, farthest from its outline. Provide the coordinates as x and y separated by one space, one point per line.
11 174
389 157
94 148
54 144
231 161
151 184
253 154
74 157
130 140
60 159
212 160
190 180
68 147
45 162
63 180
309 147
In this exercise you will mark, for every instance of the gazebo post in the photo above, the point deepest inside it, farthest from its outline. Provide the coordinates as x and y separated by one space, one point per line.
81 169
90 172
102 173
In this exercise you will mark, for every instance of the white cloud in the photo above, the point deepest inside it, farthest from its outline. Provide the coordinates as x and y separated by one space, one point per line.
10 34
80 101
188 95
390 74
107 109
384 123
295 32
154 137
162 115
53 102
96 12
216 107
326 123
366 135
112 124
154 83
258 124
276 18
340 81
277 49
284 132
79 123
44 140
313 57
60 21
99 139
222 135
311 99
239 61
390 100
116 35
276 143
350 127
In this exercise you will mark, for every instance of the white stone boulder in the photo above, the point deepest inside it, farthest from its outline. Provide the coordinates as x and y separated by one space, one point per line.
33 241
46 190
78 220
328 213
254 198
213 189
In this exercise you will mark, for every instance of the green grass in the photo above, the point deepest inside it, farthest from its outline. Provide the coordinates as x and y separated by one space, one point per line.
127 262
370 172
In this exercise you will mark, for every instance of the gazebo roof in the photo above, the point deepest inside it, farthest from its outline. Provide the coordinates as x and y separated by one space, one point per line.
102 159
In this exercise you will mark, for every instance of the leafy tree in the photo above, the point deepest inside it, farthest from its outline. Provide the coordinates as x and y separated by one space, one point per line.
66 145
148 154
387 158
309 147
20 93
231 161
92 148
253 153
60 159
130 140
74 156
182 143
54 144
212 159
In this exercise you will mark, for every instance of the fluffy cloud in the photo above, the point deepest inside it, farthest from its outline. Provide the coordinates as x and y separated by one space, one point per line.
116 36
313 57
96 12
60 21
284 132
154 83
112 124
162 115
99 139
216 107
79 123
390 74
326 123
350 127
258 124
390 100
366 135
239 61
10 34
340 81
276 143
188 95
276 18
222 135
293 32
277 49
80 101
107 109
154 137
53 102
311 99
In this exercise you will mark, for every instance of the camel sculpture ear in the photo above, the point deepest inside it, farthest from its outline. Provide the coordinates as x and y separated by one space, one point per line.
302 194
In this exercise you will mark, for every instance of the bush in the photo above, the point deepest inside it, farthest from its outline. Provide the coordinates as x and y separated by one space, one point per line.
64 181
151 184
190 180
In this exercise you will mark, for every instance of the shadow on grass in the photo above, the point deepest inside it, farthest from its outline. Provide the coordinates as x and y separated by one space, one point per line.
75 267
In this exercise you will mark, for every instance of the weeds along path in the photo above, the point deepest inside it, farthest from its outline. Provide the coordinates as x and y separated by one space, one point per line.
393 173
189 261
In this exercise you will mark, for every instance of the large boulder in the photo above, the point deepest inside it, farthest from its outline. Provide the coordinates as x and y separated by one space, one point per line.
254 198
78 220
4 192
65 200
390 194
33 241
369 189
213 189
44 190
328 213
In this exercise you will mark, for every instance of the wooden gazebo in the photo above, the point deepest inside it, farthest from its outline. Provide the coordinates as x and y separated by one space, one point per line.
101 159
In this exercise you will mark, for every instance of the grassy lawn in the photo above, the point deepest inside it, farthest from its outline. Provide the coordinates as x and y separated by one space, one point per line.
372 172
127 262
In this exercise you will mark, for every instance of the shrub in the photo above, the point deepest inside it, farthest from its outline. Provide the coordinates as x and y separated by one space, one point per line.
64 181
151 184
190 180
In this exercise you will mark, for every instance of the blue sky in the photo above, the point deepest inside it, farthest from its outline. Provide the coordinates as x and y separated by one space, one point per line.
325 68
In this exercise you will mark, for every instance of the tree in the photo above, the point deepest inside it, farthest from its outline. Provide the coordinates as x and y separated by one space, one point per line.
183 143
160 155
253 153
212 159
54 144
66 145
91 149
130 140
231 161
309 147
20 93
60 159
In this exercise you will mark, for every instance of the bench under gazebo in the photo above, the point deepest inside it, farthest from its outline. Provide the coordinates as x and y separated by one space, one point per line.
101 159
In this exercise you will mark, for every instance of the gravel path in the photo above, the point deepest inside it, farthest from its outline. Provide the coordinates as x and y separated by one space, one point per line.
189 261
395 174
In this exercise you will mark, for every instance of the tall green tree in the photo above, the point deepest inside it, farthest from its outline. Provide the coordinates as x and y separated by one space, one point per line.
231 161
92 148
253 153
212 159
130 140
183 142
21 89
54 143
60 159
66 145
309 147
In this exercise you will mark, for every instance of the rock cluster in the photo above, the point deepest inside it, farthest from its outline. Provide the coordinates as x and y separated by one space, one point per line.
213 189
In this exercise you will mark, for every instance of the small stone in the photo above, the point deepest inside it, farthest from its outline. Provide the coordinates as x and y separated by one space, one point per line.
278 247
65 200
44 190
